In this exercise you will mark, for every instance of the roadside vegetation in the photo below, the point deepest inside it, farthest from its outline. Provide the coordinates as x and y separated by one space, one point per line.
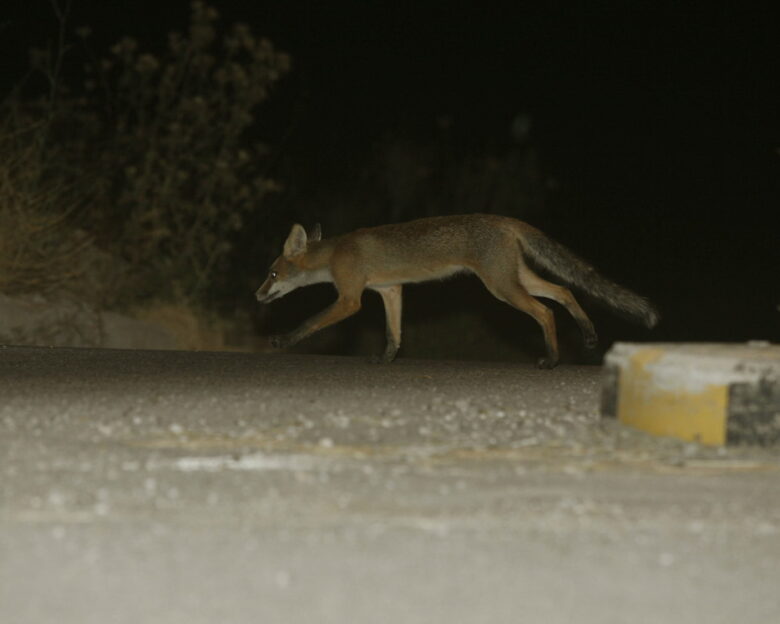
124 181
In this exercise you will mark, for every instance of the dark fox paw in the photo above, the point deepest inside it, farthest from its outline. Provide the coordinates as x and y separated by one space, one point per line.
546 363
385 358
280 341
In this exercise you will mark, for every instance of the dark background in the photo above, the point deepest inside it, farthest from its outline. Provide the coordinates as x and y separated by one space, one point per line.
655 125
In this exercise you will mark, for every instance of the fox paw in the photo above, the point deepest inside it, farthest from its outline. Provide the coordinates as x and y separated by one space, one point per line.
385 358
280 341
388 356
546 363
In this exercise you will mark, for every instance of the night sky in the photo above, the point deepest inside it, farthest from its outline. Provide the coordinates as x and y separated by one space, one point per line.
658 121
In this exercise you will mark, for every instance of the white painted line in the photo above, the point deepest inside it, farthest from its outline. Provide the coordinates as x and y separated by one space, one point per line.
252 462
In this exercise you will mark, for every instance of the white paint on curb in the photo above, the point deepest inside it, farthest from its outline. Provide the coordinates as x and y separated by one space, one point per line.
693 368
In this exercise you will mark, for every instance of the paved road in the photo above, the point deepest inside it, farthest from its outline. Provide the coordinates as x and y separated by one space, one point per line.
172 487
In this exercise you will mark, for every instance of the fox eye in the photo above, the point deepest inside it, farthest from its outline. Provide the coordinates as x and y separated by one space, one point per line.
273 274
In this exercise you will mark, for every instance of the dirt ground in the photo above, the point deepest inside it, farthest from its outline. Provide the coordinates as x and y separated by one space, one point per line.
151 486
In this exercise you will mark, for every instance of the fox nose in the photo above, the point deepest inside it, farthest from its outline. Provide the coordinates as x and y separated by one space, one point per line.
264 297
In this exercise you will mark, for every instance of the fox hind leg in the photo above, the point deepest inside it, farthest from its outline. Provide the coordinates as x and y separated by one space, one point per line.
538 287
505 286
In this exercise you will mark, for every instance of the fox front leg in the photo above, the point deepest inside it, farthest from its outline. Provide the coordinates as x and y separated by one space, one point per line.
391 297
341 309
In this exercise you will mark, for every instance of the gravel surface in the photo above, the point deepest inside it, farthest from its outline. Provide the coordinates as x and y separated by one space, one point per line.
173 487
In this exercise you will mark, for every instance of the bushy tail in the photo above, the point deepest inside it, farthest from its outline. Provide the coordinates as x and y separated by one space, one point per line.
573 270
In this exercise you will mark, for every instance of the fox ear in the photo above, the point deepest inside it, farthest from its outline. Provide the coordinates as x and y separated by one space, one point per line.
315 233
295 244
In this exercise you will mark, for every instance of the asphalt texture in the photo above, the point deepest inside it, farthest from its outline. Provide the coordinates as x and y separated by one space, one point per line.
182 487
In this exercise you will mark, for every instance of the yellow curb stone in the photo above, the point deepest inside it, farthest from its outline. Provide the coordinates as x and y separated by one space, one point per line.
714 394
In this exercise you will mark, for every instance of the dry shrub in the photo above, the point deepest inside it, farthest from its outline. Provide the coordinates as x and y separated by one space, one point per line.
182 173
151 162
40 249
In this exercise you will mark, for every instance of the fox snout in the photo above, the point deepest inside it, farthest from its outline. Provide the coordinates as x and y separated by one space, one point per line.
273 289
263 294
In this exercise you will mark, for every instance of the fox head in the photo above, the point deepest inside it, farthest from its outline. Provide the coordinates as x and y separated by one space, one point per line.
289 271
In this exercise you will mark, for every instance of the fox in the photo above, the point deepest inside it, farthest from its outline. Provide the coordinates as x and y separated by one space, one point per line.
497 249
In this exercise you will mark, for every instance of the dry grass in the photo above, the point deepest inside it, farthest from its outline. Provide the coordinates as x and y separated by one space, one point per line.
40 249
